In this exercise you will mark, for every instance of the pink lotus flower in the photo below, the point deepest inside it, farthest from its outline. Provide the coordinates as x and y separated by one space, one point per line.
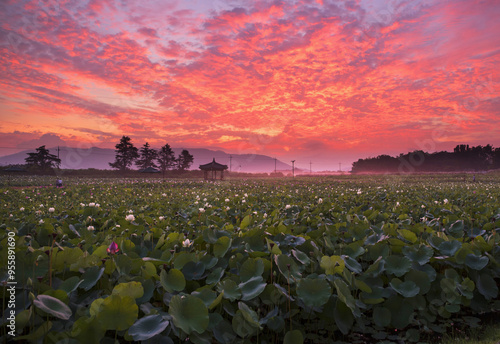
113 248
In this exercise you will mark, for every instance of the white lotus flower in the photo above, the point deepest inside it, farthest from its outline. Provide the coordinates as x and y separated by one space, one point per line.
21 209
90 228
320 200
186 243
227 199
41 221
445 201
288 206
130 218
202 210
161 218
92 204
51 210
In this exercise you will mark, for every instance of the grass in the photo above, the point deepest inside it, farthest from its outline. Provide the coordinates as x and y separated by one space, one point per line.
490 334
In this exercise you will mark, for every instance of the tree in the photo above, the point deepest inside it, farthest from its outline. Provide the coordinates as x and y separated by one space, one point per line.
42 159
147 157
166 158
126 154
184 160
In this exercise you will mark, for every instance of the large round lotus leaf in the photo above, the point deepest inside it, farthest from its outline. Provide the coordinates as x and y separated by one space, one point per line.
397 265
456 229
381 316
173 280
53 306
223 333
449 248
230 290
344 295
314 292
352 264
249 314
487 286
401 311
406 289
205 294
117 312
221 246
421 279
252 288
147 327
476 262
189 313
421 254
132 289
332 265
251 268
87 330
301 257
293 337
242 327
70 284
91 276
343 317
215 276
288 267
193 271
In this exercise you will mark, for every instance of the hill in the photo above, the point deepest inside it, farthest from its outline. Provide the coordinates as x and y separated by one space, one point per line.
99 158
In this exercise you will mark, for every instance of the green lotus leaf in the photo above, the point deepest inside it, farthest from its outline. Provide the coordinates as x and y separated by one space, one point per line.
487 286
189 313
249 314
332 265
352 264
344 295
449 248
230 290
421 279
193 270
221 246
53 306
406 289
397 265
315 292
301 257
421 254
401 311
476 262
288 268
91 276
205 294
71 284
147 327
293 337
215 276
252 288
117 312
343 317
408 235
173 280
381 316
132 289
456 229
242 327
251 268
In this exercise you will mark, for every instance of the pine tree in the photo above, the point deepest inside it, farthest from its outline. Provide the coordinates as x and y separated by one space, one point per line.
147 157
42 159
184 160
126 154
166 158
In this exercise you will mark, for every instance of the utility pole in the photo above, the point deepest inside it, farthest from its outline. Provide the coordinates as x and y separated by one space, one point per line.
230 162
340 167
293 168
275 165
310 167
59 163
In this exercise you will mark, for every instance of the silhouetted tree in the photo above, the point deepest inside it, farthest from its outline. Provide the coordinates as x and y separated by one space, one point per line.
184 160
166 158
126 154
147 157
42 159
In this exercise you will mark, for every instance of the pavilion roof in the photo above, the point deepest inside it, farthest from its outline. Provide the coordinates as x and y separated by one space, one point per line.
213 166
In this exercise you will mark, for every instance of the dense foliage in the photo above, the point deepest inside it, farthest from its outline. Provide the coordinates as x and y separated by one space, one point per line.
361 259
463 158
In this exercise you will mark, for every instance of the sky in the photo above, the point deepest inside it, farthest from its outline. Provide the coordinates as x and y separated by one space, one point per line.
316 81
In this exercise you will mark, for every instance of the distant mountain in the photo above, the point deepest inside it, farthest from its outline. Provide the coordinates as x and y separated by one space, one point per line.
99 158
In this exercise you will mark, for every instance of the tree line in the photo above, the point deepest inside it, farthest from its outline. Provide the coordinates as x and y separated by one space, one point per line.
463 158
126 154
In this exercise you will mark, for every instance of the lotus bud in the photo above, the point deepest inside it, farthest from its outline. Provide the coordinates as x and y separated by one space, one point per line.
31 296
29 283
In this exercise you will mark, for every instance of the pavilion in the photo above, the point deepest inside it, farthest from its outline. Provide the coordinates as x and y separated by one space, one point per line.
210 170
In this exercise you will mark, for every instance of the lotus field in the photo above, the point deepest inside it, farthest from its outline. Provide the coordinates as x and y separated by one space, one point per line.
307 260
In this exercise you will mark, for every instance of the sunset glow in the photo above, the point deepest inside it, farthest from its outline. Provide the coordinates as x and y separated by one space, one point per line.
321 81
